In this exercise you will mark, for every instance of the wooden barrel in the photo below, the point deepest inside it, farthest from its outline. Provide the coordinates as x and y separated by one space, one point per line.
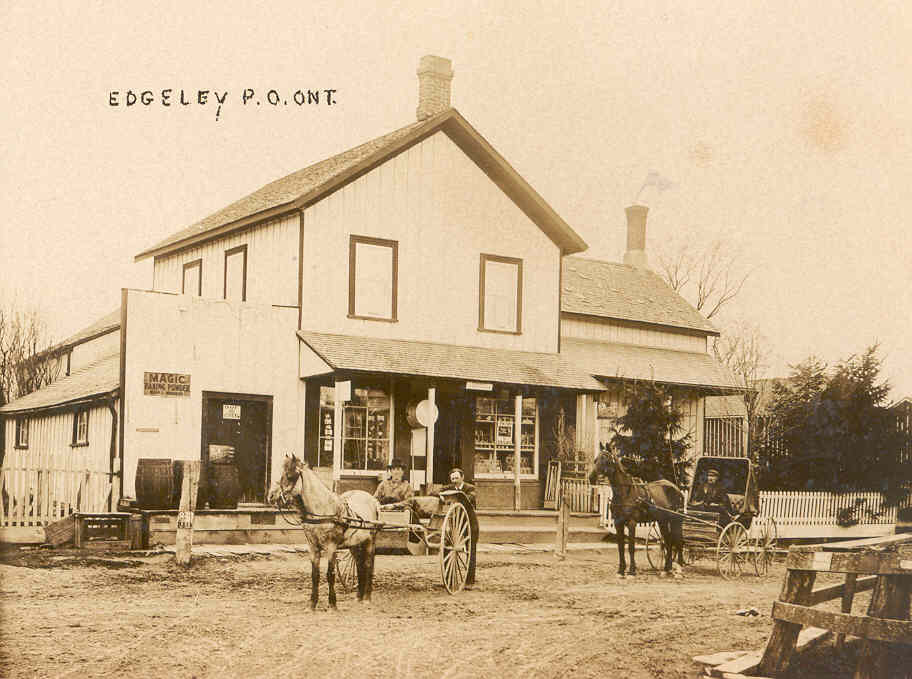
154 483
178 469
224 486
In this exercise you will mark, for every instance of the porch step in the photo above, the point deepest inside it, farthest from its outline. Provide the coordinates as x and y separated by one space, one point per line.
502 533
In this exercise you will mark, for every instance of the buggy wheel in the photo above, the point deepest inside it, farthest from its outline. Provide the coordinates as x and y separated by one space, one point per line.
732 550
455 547
655 547
346 573
764 544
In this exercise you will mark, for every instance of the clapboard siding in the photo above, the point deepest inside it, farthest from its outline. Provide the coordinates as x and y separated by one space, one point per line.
52 478
272 263
626 333
444 212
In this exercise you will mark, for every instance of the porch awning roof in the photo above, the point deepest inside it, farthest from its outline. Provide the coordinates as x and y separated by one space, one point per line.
403 357
609 360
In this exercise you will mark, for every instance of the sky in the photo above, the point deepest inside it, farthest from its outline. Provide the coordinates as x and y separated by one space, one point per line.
786 129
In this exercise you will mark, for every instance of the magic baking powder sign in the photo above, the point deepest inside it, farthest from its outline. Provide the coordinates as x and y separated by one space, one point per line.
166 384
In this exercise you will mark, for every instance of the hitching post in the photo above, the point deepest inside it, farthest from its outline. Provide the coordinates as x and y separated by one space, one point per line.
183 542
563 514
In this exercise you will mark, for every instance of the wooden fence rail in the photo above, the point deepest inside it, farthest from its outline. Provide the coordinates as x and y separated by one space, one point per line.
888 562
37 497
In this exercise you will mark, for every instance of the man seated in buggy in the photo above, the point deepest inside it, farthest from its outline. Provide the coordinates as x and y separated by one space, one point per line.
711 496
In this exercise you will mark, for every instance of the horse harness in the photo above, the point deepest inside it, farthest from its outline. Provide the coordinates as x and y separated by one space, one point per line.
348 520
639 500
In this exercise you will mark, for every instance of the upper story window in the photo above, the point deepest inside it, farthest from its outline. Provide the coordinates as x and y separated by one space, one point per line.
236 273
22 432
500 294
81 427
373 271
192 283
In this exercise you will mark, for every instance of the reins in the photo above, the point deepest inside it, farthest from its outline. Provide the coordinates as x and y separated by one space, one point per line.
349 521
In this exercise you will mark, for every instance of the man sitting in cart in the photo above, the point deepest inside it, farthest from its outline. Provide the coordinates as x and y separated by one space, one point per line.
395 489
711 496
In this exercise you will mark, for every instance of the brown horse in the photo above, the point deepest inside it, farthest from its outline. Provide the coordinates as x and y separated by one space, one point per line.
330 522
635 501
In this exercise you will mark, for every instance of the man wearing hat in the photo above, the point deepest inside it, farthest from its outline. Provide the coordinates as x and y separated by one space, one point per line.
457 482
394 489
710 496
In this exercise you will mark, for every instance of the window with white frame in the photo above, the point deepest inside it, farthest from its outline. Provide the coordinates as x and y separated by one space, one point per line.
495 446
366 430
500 294
81 427
22 432
373 265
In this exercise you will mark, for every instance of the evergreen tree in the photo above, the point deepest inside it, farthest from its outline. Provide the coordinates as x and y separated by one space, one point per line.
836 429
651 435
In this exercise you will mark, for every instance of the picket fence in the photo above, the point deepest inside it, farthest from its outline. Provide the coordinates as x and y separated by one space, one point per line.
801 514
37 497
810 514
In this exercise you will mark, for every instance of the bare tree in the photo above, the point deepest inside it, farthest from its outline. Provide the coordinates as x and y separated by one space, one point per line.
27 362
743 349
708 277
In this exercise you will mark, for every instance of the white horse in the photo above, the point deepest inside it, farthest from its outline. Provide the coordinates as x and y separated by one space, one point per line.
330 522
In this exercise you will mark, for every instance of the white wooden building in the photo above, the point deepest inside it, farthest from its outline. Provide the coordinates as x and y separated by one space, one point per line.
315 315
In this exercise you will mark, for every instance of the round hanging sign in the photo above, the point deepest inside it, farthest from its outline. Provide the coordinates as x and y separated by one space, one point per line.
422 414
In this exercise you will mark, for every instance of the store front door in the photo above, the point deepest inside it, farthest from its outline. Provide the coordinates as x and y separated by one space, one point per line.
238 427
448 445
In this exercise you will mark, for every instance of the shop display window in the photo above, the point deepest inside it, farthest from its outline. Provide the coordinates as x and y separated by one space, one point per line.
495 420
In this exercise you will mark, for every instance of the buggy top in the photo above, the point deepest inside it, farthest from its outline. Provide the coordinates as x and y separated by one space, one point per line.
736 476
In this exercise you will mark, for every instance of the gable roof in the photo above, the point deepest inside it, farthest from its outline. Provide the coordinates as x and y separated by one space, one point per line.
431 359
307 186
613 290
104 325
98 378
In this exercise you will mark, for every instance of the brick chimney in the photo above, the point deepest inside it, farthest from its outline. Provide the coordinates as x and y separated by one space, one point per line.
636 237
434 76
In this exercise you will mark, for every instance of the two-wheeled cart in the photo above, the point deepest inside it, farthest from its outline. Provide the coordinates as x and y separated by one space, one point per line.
747 540
445 523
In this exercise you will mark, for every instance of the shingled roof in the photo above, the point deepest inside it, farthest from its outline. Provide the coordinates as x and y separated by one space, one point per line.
404 357
309 185
98 378
632 362
629 293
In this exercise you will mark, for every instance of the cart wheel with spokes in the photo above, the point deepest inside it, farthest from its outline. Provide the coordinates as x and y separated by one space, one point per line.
655 547
764 547
732 550
346 573
455 547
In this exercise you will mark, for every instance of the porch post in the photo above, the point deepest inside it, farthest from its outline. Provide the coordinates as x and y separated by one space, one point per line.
517 451
337 435
429 475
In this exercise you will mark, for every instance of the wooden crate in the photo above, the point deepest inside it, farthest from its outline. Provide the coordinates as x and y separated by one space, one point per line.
92 529
60 532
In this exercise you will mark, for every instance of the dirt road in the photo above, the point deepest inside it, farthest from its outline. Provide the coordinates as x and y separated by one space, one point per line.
529 616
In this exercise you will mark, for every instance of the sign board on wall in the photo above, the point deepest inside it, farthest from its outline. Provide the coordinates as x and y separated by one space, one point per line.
344 391
479 386
231 411
166 384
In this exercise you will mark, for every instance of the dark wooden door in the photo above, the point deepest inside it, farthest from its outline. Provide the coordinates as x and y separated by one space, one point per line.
447 434
245 425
